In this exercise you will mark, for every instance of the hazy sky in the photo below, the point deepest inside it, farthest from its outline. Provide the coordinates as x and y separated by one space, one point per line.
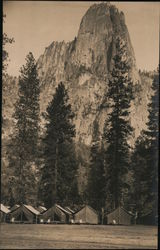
36 24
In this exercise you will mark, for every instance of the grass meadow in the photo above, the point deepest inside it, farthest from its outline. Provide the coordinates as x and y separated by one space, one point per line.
42 236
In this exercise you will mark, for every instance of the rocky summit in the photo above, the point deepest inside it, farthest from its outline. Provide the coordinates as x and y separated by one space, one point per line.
84 65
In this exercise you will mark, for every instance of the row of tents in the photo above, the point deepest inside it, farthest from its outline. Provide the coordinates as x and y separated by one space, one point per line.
60 215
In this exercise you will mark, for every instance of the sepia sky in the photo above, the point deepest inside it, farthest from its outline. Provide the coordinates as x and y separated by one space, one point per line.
36 24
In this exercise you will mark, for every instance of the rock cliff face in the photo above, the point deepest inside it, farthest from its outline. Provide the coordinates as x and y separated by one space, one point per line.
84 65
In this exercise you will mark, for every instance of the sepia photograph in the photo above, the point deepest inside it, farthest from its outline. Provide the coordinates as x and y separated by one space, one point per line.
80 125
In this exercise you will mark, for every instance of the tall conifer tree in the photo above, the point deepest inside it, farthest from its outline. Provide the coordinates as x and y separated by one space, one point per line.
24 142
145 159
153 138
58 176
141 175
117 127
96 179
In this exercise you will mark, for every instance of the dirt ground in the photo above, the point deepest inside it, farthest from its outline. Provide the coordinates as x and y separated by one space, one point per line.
20 236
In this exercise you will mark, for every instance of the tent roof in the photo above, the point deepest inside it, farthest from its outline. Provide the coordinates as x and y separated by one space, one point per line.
52 211
44 208
126 211
120 208
4 209
32 209
64 210
41 209
70 210
14 207
88 207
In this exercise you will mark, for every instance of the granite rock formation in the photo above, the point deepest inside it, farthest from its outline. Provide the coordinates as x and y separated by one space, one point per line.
84 65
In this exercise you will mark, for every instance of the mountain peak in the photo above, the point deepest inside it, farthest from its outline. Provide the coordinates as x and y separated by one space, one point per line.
95 45
100 15
103 4
84 66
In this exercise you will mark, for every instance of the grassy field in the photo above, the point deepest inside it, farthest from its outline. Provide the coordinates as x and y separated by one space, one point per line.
14 236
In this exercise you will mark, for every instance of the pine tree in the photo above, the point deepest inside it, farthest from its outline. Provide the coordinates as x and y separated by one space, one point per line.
151 150
96 179
153 136
117 128
24 142
58 175
145 160
141 176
